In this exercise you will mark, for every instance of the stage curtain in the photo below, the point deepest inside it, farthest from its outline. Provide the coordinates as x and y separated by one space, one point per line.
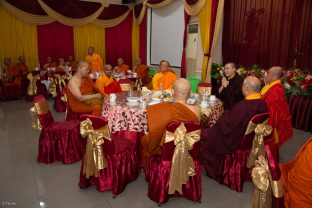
135 41
89 35
27 17
17 38
216 32
143 39
204 25
55 40
183 60
193 7
118 41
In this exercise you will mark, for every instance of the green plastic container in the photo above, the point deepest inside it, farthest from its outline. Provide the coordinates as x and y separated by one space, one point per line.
151 72
194 83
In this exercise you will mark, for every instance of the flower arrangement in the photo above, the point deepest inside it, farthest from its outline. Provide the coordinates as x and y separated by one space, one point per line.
295 81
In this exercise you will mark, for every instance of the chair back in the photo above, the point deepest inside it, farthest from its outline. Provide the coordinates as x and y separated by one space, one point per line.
194 81
203 86
97 121
44 114
168 147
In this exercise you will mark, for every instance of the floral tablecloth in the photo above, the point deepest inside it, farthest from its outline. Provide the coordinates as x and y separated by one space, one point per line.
209 116
124 118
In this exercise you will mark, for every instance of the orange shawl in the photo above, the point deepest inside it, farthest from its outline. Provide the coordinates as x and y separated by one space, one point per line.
95 62
166 78
123 68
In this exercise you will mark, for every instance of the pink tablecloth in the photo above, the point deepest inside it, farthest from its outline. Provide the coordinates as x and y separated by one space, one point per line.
124 118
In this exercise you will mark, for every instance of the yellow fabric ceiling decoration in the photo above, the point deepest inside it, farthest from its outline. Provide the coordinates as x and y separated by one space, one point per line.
86 36
27 17
17 38
71 21
110 22
194 9
141 16
159 5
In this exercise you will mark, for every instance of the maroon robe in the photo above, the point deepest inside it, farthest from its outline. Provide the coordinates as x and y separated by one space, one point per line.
232 94
226 135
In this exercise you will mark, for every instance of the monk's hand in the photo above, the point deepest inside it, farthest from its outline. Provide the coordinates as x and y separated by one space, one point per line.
98 95
225 82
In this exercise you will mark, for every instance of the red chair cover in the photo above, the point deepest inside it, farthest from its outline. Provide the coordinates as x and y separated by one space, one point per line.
122 164
71 115
158 170
58 140
59 105
235 171
42 90
10 91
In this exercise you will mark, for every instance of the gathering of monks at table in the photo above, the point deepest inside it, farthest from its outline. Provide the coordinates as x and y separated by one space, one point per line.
92 81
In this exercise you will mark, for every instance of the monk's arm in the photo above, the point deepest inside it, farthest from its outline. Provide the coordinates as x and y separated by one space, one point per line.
74 89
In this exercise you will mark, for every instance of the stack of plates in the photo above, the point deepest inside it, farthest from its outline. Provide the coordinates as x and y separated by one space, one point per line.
133 101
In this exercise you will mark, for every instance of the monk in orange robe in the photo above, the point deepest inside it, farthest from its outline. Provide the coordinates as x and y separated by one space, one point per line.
22 65
94 60
106 82
280 119
82 95
60 68
12 72
49 63
71 63
142 71
160 115
121 68
297 178
165 78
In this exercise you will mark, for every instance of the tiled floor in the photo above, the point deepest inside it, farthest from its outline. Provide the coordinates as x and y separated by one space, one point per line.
25 183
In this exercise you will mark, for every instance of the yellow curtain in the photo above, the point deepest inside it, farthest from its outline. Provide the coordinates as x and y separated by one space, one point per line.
215 37
135 40
17 38
204 25
86 36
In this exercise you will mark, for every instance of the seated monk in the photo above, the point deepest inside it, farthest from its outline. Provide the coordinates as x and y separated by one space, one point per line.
94 60
106 83
142 71
225 136
49 63
71 62
12 72
162 114
280 119
165 78
297 178
60 68
22 66
121 67
82 95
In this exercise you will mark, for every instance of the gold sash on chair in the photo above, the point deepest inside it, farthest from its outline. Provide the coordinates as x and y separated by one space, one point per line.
35 120
182 162
32 87
261 176
94 157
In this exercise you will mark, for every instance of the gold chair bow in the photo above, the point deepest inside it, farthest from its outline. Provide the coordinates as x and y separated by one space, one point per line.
52 87
260 174
94 157
35 120
182 162
32 87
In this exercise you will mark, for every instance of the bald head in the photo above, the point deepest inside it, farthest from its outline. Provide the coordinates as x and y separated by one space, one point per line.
251 85
274 73
182 89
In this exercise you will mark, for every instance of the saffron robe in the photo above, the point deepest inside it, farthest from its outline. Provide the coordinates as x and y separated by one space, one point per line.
14 74
166 79
107 85
50 65
158 118
142 72
23 68
280 118
226 135
297 178
93 106
232 94
95 62
122 69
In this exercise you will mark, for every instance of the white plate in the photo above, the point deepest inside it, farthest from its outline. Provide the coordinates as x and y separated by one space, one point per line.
133 99
155 99
132 104
153 103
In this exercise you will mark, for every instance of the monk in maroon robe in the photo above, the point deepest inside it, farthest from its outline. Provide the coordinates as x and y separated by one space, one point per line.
226 135
230 88
280 119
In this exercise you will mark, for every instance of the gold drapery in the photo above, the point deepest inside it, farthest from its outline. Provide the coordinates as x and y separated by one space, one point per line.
70 21
135 40
204 25
94 157
27 17
158 5
194 9
215 38
141 16
182 162
17 38
86 36
35 123
110 22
